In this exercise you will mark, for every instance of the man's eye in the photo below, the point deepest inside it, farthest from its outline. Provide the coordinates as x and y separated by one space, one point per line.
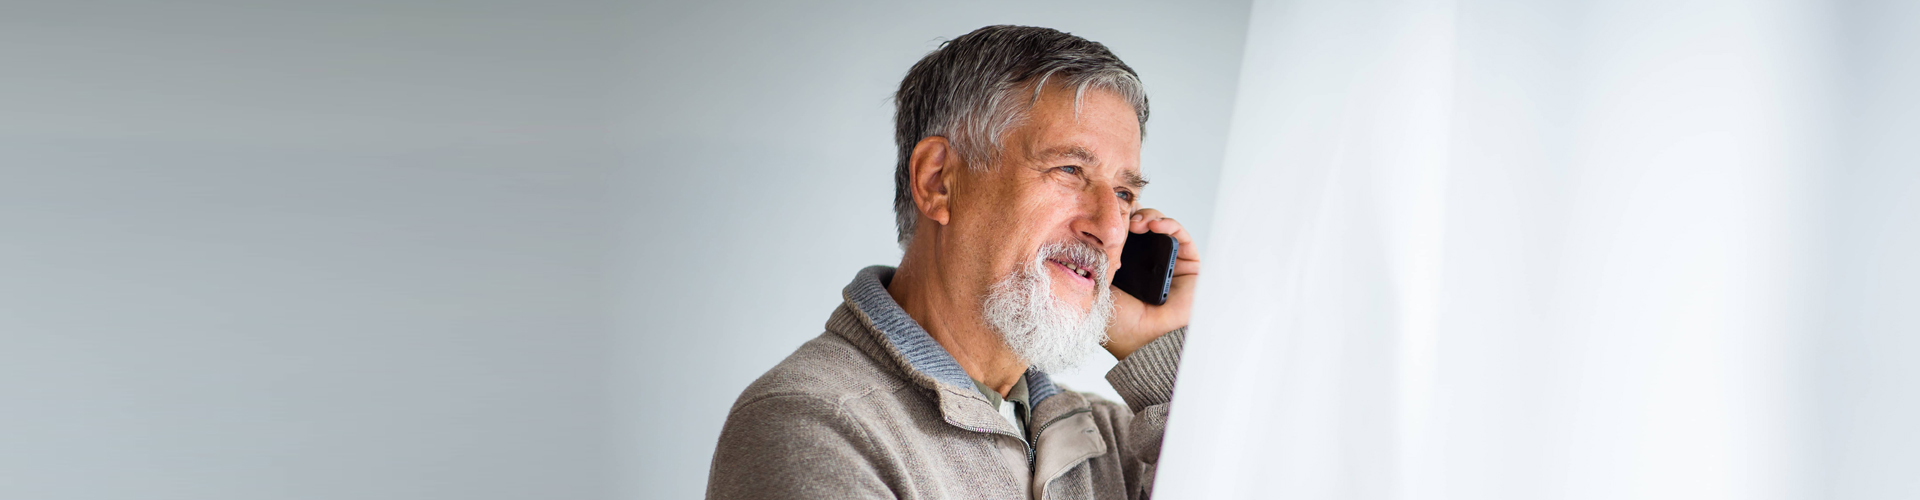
1126 196
1070 170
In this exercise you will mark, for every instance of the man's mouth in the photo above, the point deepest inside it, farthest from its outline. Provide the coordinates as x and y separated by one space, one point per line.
1073 268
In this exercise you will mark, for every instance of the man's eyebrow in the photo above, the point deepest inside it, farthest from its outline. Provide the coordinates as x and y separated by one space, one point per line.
1134 179
1075 152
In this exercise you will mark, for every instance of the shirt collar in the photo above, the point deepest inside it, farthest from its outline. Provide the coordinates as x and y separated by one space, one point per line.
1018 394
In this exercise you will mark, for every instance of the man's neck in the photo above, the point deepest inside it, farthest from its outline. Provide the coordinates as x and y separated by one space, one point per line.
950 313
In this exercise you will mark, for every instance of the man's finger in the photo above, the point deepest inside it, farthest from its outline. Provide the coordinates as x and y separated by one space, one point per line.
1143 217
1168 226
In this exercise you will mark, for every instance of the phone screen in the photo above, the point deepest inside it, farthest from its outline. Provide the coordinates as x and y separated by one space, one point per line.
1146 266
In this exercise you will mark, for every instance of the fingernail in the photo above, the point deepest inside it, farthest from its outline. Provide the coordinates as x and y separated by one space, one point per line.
1138 217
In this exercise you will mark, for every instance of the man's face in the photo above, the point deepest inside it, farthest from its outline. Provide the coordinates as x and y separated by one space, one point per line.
1063 178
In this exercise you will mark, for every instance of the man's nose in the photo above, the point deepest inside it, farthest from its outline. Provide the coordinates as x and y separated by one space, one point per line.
1106 225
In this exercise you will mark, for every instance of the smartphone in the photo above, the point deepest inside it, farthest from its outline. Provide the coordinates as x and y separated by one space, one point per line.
1146 266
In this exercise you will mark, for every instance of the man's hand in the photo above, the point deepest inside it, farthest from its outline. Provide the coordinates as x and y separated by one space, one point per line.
1134 322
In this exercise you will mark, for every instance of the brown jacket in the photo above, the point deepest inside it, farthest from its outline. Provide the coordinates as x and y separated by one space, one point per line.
874 408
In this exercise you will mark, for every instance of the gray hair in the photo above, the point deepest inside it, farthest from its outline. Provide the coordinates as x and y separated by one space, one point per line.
967 91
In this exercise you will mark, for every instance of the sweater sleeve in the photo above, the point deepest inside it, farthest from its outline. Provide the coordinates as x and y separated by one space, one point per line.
793 446
1145 380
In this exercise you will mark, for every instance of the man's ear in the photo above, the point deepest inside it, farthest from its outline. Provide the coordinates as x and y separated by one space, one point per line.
931 169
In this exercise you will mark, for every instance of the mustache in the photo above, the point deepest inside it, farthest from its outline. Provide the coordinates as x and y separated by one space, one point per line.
1082 254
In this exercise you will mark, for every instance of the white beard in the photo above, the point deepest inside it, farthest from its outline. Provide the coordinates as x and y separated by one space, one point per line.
1051 335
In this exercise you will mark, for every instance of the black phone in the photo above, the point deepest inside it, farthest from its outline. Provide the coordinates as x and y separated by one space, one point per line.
1146 266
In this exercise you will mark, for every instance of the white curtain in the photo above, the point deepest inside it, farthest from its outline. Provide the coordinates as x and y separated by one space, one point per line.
1608 249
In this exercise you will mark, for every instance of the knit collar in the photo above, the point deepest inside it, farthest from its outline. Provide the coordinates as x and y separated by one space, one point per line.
908 341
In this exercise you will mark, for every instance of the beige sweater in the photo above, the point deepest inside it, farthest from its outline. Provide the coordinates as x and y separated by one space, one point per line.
874 408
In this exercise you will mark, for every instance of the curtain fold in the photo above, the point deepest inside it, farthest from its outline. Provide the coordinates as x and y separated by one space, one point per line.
1575 249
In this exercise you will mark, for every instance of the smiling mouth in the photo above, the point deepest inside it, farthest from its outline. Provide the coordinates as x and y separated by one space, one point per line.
1074 268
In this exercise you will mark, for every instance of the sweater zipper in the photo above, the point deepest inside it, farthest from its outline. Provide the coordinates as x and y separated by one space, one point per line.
1043 428
1029 443
1063 416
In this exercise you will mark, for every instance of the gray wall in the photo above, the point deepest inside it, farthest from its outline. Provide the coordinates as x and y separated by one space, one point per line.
765 148
305 250
494 249
1863 343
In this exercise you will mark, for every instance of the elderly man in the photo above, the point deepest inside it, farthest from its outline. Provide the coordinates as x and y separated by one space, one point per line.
1017 185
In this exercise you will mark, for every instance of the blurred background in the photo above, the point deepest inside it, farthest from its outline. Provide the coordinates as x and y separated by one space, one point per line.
489 249
505 249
